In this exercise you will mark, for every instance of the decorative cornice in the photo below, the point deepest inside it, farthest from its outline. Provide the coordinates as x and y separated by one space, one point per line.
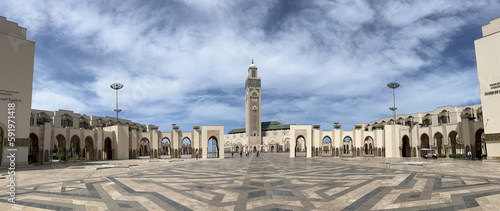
495 137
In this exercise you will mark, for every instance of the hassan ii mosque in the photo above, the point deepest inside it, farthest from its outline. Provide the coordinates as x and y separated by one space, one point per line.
43 137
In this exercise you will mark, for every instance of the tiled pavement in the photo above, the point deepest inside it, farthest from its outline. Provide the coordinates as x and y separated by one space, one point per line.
268 182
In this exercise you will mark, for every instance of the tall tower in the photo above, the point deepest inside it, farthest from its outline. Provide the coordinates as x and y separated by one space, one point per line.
252 107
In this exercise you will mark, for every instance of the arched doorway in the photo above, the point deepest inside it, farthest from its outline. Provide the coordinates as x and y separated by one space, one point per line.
479 145
146 151
347 146
108 149
75 148
300 147
406 149
368 146
213 148
59 151
287 145
424 141
438 139
35 151
186 150
454 143
165 146
326 148
89 148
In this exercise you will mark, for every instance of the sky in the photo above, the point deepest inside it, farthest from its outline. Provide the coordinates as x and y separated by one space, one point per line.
186 62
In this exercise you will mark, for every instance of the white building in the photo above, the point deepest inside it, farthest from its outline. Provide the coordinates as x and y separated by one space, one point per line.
488 70
447 130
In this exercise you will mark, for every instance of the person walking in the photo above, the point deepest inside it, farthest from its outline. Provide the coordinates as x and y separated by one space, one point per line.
469 154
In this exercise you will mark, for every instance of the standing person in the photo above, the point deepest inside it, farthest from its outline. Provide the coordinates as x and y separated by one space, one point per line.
469 154
241 153
257 153
232 153
196 154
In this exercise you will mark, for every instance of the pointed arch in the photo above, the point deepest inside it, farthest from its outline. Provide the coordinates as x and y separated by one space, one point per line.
89 148
347 146
438 140
186 148
368 146
213 147
456 146
300 147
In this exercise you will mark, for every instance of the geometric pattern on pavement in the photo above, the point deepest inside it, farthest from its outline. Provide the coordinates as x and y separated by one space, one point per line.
269 182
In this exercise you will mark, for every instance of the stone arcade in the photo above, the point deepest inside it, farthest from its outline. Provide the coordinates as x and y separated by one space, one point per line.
448 130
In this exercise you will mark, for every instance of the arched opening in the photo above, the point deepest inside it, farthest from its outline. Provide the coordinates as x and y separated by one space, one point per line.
89 148
59 149
424 141
108 150
272 148
438 140
347 146
479 145
326 148
165 147
213 148
145 148
300 147
34 151
287 145
187 151
75 148
368 146
454 143
54 152
406 148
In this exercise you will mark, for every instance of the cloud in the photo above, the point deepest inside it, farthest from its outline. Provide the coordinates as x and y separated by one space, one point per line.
185 62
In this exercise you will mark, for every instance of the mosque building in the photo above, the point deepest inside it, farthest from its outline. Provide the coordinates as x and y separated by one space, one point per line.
42 137
449 131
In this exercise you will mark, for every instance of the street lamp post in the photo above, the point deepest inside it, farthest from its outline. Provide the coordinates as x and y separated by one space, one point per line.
393 86
117 86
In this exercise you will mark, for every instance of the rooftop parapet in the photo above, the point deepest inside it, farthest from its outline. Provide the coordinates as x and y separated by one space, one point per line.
11 28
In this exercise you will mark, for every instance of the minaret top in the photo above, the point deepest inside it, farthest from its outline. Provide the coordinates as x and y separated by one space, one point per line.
252 66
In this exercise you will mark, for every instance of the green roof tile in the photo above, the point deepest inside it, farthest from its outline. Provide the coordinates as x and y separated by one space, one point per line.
273 125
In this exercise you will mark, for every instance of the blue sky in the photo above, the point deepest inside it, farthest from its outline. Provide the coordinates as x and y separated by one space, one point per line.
185 62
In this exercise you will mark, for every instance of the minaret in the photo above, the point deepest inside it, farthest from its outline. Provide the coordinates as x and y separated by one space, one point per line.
252 107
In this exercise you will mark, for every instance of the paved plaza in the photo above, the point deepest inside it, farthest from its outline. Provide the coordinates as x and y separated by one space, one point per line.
268 182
